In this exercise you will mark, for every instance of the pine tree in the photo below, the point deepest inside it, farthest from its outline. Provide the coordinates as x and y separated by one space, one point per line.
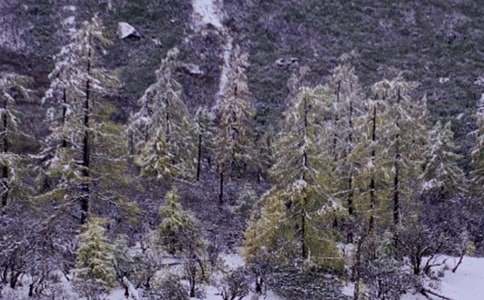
405 134
372 180
347 133
442 171
233 139
178 233
161 133
12 87
477 173
291 219
95 260
84 145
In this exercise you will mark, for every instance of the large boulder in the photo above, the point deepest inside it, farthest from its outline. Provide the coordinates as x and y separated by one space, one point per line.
126 30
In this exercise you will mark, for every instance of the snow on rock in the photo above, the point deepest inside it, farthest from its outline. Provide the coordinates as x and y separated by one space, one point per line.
467 283
207 12
126 30
226 67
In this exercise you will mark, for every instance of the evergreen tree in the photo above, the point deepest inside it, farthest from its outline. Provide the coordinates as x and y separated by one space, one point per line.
442 171
290 224
405 135
161 133
347 132
76 112
233 139
95 260
477 173
85 144
12 87
177 231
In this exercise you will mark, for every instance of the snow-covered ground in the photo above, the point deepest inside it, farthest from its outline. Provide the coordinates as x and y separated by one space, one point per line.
466 284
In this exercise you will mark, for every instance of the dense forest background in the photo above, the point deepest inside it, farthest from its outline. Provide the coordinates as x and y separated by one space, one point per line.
347 134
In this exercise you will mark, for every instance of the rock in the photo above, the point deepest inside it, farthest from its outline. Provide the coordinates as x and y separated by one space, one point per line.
125 30
479 81
283 62
192 69
443 80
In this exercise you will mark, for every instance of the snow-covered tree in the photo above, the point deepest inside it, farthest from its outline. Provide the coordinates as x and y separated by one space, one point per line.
161 132
179 234
348 109
477 174
95 259
12 87
177 230
84 144
442 170
233 139
405 135
290 225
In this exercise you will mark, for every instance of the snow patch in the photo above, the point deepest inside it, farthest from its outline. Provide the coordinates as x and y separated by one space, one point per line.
207 12
465 284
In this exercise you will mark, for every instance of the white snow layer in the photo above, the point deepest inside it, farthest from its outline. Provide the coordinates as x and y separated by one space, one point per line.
207 12
467 283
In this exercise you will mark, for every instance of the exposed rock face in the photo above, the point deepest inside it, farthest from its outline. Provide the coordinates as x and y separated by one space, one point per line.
125 30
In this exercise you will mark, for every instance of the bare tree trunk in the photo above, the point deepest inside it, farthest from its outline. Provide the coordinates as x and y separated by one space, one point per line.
5 142
85 186
304 251
64 116
372 179
199 159
221 189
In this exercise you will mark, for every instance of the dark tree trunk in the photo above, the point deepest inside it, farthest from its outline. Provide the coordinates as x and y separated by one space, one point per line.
5 175
221 189
396 178
336 120
86 149
372 179
64 115
304 251
199 159
350 175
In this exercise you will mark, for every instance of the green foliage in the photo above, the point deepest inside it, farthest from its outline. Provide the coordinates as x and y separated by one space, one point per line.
161 133
442 171
177 231
95 260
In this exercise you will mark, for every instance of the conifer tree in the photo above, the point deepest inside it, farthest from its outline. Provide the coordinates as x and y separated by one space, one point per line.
373 176
290 219
177 231
405 135
477 152
347 134
442 171
84 145
12 86
95 260
161 132
233 139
